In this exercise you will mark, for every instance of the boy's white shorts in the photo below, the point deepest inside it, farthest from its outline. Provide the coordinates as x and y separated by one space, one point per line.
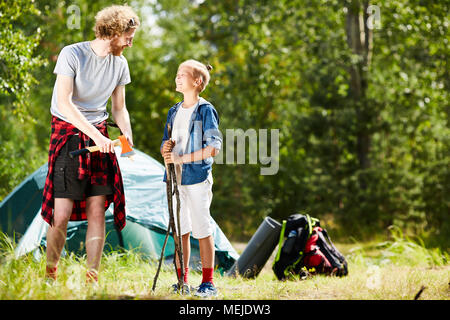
195 201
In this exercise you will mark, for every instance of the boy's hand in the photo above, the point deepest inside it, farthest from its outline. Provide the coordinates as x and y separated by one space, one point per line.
172 157
168 146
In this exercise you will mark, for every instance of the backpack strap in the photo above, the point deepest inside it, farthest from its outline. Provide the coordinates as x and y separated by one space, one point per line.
312 222
280 241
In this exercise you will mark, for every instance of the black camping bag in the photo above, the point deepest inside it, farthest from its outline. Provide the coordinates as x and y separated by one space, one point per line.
289 261
336 259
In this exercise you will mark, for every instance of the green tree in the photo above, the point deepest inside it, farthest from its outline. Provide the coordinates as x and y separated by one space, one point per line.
18 60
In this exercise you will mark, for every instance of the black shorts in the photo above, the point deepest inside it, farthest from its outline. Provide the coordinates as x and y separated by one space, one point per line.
65 178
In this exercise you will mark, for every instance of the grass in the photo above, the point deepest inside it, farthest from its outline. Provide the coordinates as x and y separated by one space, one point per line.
394 269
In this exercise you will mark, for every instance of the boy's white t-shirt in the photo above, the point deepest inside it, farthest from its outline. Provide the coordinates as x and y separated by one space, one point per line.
180 130
180 134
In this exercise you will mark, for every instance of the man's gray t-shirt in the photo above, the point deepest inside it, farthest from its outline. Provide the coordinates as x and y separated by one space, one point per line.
95 79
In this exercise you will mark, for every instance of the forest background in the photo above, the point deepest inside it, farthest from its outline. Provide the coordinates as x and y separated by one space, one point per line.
358 90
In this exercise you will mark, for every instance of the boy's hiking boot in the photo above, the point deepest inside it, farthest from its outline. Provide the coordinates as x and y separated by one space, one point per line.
186 288
206 290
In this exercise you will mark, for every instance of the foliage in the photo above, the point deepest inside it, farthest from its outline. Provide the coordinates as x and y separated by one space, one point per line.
18 61
17 46
363 120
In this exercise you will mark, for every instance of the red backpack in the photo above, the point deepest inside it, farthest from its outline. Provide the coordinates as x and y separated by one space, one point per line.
307 250
313 258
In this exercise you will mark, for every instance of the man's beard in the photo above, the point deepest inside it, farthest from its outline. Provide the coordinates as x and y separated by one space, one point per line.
116 50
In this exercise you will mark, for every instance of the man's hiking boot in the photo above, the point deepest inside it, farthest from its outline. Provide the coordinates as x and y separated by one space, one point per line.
206 290
92 279
186 288
51 274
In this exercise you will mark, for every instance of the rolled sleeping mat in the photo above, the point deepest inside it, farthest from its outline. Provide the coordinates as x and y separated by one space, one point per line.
258 250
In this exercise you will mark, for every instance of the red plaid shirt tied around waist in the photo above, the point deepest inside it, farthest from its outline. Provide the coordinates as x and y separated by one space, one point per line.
92 165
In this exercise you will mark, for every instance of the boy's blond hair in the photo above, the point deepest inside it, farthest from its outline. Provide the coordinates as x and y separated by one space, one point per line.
199 71
114 21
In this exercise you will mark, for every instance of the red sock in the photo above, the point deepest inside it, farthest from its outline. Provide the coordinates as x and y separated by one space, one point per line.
51 272
207 275
186 272
91 276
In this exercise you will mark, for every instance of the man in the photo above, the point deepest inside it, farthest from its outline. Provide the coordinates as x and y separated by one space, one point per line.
88 74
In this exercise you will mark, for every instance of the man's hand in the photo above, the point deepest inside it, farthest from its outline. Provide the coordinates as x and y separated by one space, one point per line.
129 137
105 144
172 157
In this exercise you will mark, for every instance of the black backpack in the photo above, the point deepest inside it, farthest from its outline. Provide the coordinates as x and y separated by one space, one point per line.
307 250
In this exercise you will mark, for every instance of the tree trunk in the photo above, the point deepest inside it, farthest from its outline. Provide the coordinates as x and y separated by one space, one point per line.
359 40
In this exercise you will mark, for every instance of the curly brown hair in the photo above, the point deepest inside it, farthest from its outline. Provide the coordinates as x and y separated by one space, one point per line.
114 21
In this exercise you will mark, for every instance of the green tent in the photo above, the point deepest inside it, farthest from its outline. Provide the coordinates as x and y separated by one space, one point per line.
146 208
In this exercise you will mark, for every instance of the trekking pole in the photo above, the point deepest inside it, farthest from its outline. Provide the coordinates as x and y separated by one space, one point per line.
180 252
179 236
176 231
176 239
171 180
169 202
161 258
170 170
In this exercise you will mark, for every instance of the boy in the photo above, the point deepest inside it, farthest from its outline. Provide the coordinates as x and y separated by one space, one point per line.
195 140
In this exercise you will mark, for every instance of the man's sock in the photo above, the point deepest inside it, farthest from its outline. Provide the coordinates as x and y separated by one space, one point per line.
51 272
186 272
207 275
91 276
